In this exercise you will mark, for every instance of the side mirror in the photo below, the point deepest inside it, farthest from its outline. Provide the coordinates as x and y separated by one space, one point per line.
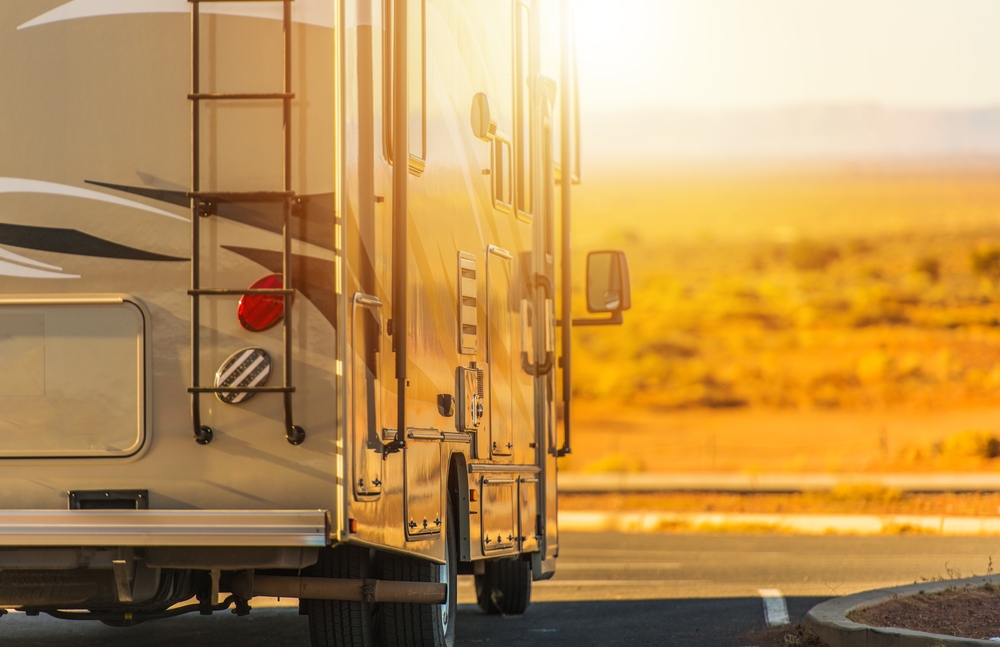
484 117
608 287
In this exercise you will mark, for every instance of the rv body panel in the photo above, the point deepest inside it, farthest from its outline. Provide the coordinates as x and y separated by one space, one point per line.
458 319
95 173
103 99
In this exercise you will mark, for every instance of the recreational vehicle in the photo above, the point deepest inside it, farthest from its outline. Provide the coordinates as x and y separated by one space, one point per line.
285 307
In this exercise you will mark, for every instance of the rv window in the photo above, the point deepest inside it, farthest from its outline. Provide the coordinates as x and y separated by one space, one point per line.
501 172
416 67
523 102
378 46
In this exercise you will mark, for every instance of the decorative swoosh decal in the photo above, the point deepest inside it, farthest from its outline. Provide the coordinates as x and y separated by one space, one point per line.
312 220
21 185
17 258
314 277
71 241
310 12
20 271
178 198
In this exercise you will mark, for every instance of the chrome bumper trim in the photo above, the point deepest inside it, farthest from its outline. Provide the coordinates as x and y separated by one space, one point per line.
480 468
163 528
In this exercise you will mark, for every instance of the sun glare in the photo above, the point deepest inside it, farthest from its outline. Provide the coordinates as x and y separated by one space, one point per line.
623 48
723 54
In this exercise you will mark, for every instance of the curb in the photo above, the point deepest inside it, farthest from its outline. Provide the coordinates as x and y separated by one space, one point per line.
621 482
828 620
804 524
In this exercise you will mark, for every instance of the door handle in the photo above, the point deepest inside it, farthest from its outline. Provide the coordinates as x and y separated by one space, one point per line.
367 301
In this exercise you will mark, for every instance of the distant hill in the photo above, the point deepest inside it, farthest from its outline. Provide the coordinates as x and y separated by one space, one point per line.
821 132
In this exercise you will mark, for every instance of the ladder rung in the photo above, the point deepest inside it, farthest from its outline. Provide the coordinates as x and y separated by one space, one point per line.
243 196
208 292
241 389
232 96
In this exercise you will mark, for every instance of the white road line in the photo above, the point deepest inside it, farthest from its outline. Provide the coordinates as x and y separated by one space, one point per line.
605 553
555 583
775 609
618 566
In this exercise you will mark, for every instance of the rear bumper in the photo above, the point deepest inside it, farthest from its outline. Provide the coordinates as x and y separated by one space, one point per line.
29 528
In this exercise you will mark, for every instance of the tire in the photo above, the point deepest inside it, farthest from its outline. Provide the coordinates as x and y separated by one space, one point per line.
335 623
504 587
421 625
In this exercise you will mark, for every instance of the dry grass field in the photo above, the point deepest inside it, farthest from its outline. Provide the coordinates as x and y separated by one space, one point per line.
838 318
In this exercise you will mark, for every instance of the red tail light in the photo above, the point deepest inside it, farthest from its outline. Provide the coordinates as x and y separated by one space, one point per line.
259 312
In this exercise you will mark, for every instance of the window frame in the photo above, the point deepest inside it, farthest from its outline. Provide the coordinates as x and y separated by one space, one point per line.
524 189
496 170
417 164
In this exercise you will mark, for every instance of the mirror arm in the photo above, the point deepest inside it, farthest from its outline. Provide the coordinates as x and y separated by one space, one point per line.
616 319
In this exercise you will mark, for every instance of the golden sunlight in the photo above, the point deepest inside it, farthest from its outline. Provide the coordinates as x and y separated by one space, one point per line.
725 54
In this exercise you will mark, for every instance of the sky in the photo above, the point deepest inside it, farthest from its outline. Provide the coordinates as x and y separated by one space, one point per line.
739 54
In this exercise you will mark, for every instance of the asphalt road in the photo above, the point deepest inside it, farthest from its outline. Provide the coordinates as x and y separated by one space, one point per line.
611 590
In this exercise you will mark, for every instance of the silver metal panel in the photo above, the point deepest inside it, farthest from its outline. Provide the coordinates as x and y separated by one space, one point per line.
499 530
163 528
422 475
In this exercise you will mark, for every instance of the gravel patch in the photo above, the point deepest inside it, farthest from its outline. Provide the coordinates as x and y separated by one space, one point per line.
793 636
966 612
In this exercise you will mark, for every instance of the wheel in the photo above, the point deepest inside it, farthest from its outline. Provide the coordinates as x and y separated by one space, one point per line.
335 623
505 586
421 625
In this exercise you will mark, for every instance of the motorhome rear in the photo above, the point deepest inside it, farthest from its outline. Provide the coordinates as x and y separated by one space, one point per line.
285 307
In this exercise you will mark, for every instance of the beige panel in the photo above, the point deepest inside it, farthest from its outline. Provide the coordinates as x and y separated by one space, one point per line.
22 354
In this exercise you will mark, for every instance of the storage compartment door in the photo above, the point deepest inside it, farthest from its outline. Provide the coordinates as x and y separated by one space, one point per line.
498 514
72 378
422 467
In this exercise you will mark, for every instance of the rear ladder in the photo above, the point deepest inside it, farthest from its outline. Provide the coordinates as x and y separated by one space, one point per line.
203 205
